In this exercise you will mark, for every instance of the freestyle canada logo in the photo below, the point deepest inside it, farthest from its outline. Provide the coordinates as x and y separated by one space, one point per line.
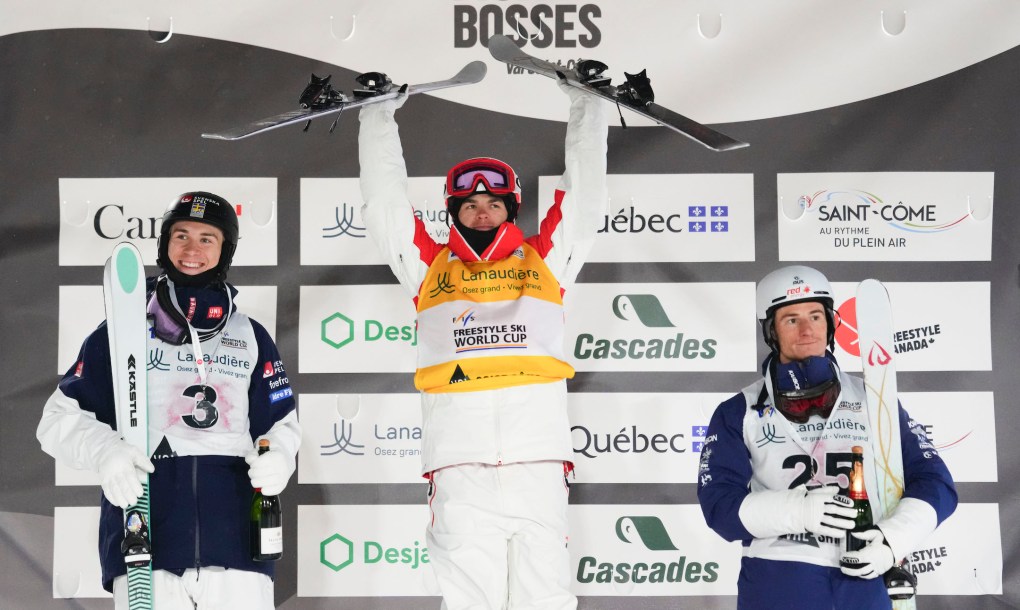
338 552
338 331
905 340
646 311
926 561
664 563
387 441
563 26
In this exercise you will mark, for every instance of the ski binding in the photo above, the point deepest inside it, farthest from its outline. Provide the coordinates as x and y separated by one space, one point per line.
634 94
319 99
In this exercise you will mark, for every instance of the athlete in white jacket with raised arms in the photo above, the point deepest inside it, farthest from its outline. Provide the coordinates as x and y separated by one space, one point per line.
491 368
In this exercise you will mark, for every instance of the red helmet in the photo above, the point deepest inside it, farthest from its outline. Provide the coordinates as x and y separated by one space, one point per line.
483 175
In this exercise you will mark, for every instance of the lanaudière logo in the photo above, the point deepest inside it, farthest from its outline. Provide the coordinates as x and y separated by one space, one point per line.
343 224
845 206
644 310
663 562
342 441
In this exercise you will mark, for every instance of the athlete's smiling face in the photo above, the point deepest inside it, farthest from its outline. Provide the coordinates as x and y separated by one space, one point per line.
194 246
482 212
801 331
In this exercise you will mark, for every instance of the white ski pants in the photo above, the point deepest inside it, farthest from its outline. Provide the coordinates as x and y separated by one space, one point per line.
498 536
206 589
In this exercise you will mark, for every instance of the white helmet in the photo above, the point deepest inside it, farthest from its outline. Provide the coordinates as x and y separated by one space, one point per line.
790 285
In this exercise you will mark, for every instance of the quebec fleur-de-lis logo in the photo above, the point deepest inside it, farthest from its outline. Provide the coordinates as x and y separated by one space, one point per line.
442 285
878 356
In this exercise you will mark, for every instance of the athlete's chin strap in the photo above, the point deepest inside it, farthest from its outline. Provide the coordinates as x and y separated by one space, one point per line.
170 324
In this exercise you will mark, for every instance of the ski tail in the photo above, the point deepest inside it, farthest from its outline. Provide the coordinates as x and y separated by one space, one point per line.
124 294
878 360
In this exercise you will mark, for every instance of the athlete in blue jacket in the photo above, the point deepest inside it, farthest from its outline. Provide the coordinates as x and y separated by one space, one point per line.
216 384
773 467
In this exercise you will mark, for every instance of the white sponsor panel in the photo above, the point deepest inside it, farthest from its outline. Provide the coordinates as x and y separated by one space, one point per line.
639 438
671 218
646 550
333 233
360 438
363 551
938 326
705 326
963 556
76 569
885 216
356 329
81 310
961 426
97 213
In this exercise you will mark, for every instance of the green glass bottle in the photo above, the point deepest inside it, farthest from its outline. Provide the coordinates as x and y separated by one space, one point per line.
266 530
859 495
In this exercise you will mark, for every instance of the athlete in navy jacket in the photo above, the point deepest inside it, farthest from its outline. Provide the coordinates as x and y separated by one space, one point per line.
216 384
773 467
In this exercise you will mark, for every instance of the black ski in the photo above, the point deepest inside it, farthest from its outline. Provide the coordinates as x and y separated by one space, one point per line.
320 99
635 94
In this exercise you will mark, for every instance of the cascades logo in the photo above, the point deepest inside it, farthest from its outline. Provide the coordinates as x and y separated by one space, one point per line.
648 311
564 26
337 552
909 340
650 533
343 224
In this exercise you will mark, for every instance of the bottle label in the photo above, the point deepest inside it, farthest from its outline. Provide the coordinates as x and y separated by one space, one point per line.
271 540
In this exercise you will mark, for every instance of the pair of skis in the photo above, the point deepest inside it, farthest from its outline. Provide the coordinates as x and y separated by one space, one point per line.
124 293
319 98
878 359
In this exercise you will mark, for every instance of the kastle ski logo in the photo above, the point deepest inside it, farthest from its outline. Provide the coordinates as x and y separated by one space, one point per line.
132 391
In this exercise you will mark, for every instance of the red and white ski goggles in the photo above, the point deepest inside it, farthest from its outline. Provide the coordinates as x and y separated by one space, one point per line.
482 174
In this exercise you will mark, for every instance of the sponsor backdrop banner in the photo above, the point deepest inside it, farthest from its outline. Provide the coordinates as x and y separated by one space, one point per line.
892 174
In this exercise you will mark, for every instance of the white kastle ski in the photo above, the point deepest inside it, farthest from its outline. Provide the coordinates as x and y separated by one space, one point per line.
319 99
635 95
878 359
124 291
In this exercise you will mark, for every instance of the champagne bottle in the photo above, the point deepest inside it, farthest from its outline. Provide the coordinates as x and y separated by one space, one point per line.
266 530
859 495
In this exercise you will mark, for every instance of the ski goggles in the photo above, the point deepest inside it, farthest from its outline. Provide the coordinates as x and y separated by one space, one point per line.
799 406
483 174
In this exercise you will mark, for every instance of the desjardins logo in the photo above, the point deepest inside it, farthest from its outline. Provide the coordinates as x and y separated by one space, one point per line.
644 310
664 563
338 552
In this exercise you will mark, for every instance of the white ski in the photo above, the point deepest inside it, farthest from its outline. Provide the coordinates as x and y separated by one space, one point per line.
124 292
878 359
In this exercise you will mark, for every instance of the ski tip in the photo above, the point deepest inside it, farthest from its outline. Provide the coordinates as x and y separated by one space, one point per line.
474 72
